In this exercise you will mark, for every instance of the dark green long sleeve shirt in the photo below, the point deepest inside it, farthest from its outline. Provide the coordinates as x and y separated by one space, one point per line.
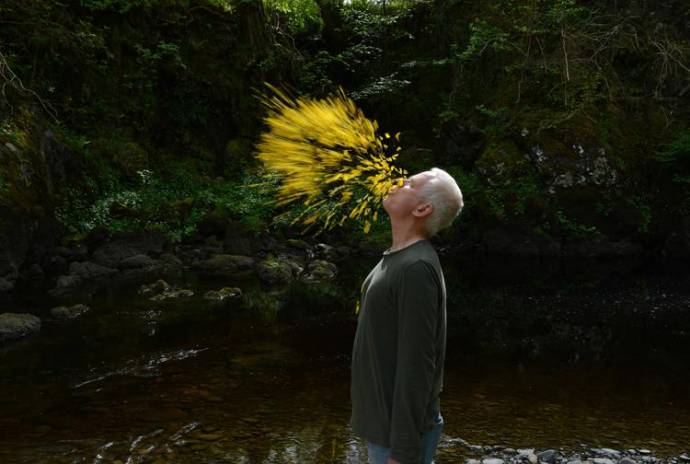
399 351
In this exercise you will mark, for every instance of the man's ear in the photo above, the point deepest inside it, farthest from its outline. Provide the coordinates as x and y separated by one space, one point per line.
422 210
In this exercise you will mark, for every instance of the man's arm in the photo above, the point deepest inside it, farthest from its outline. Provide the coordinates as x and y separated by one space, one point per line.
416 359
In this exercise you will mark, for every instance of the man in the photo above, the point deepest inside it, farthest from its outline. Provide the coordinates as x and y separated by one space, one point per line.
399 347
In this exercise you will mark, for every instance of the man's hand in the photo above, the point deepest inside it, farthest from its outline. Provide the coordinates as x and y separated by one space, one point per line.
392 461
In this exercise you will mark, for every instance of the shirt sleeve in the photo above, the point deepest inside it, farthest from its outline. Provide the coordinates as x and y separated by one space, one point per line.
416 360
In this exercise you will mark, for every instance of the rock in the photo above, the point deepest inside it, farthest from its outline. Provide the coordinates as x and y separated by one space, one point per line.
603 461
325 251
155 288
223 294
113 253
685 457
472 461
277 270
223 264
320 271
492 461
68 281
547 456
56 265
298 244
606 452
170 293
627 460
5 285
69 312
644 451
14 325
137 262
90 271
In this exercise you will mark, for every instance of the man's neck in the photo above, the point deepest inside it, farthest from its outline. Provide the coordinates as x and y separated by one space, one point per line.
404 236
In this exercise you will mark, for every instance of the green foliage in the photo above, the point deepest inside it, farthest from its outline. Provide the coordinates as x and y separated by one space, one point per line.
497 121
301 15
173 202
121 6
676 157
572 227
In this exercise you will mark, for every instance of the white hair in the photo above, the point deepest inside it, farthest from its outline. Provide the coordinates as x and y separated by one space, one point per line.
445 196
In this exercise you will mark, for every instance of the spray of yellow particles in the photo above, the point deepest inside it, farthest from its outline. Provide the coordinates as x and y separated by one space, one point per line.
329 157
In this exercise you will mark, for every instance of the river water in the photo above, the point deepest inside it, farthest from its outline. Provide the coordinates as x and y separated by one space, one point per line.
538 357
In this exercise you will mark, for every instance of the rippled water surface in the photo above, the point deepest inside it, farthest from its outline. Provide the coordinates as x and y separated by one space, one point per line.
137 381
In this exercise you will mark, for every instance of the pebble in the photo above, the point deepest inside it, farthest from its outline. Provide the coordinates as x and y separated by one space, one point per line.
548 456
493 461
602 461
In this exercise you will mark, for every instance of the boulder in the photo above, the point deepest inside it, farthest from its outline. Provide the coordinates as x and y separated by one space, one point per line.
280 270
172 293
69 312
137 262
320 271
87 271
14 325
223 264
113 253
155 288
223 295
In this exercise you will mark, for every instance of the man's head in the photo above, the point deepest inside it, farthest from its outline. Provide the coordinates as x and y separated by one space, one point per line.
431 199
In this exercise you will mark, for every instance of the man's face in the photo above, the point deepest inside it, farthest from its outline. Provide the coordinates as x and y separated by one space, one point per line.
402 201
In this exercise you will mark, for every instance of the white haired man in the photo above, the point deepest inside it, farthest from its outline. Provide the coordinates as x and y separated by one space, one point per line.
400 343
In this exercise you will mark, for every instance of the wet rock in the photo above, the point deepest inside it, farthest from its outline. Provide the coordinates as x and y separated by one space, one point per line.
298 244
603 461
325 251
548 456
627 460
14 326
69 312
155 288
493 461
320 271
68 281
172 293
223 294
644 451
472 461
90 271
113 253
685 457
527 454
223 265
605 452
279 270
137 262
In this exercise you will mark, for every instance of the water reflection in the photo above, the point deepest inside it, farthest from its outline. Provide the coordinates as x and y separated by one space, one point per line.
210 386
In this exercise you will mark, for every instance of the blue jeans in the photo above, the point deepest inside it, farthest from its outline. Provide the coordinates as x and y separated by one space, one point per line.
379 454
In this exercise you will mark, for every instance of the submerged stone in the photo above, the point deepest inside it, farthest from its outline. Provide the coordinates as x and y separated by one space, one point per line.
15 325
69 312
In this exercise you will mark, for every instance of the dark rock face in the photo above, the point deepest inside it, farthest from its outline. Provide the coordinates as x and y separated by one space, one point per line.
14 326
